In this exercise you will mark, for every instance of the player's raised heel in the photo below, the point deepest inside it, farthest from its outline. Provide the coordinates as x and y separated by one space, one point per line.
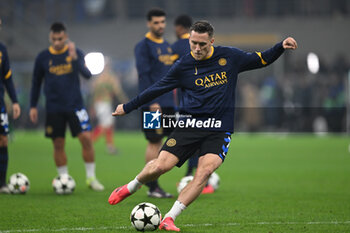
119 194
168 225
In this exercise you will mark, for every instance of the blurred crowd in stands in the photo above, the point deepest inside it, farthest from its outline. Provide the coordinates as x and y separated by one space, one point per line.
298 101
293 100
15 11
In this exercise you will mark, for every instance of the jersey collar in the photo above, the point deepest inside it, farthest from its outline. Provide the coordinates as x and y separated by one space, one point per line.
185 36
209 56
55 52
152 38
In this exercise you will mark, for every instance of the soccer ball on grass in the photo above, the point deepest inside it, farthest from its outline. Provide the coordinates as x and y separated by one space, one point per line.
63 184
214 180
183 182
18 183
145 217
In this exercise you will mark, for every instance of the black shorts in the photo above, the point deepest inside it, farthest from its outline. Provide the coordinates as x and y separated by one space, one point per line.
156 135
55 125
4 121
184 143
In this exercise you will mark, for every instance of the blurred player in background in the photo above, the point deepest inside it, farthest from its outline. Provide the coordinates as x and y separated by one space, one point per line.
182 25
105 88
59 67
6 82
180 48
153 59
208 78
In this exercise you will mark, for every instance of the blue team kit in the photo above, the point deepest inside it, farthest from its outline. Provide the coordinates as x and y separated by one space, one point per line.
208 86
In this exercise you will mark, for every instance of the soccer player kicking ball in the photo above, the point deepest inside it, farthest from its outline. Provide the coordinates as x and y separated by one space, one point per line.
208 77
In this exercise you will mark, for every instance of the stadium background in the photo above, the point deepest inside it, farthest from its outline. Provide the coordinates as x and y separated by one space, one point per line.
284 97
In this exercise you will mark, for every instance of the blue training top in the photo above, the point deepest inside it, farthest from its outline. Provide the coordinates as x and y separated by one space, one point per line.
208 86
181 47
61 80
153 61
6 77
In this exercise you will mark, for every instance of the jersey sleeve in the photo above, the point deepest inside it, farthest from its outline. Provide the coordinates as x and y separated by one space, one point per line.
38 75
250 61
166 84
7 77
143 66
176 51
81 66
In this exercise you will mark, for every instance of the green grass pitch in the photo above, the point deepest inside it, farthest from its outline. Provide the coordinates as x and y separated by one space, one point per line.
269 183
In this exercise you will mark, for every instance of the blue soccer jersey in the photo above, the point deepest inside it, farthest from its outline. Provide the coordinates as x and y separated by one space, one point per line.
208 86
181 47
153 61
6 77
61 80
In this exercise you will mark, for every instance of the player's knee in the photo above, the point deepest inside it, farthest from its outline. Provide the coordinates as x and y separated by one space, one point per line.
87 144
86 141
58 144
157 167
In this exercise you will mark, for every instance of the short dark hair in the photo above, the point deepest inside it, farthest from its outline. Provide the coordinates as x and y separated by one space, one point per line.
57 27
184 21
155 12
203 26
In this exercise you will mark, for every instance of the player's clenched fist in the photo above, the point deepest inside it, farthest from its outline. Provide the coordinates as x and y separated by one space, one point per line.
119 111
290 43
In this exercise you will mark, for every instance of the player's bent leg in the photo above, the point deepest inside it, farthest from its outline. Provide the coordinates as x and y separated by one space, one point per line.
155 168
207 164
152 152
165 162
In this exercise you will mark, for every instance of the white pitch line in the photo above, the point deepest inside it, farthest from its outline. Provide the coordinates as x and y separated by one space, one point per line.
185 225
66 229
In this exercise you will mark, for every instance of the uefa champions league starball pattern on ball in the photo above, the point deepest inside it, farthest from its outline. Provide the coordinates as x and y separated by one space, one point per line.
145 217
183 182
18 183
214 180
63 184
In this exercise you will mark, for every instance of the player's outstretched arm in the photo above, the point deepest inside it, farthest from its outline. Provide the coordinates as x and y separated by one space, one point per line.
119 111
290 43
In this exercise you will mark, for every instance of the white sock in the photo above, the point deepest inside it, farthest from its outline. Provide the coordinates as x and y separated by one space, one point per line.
90 170
176 210
62 170
134 185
